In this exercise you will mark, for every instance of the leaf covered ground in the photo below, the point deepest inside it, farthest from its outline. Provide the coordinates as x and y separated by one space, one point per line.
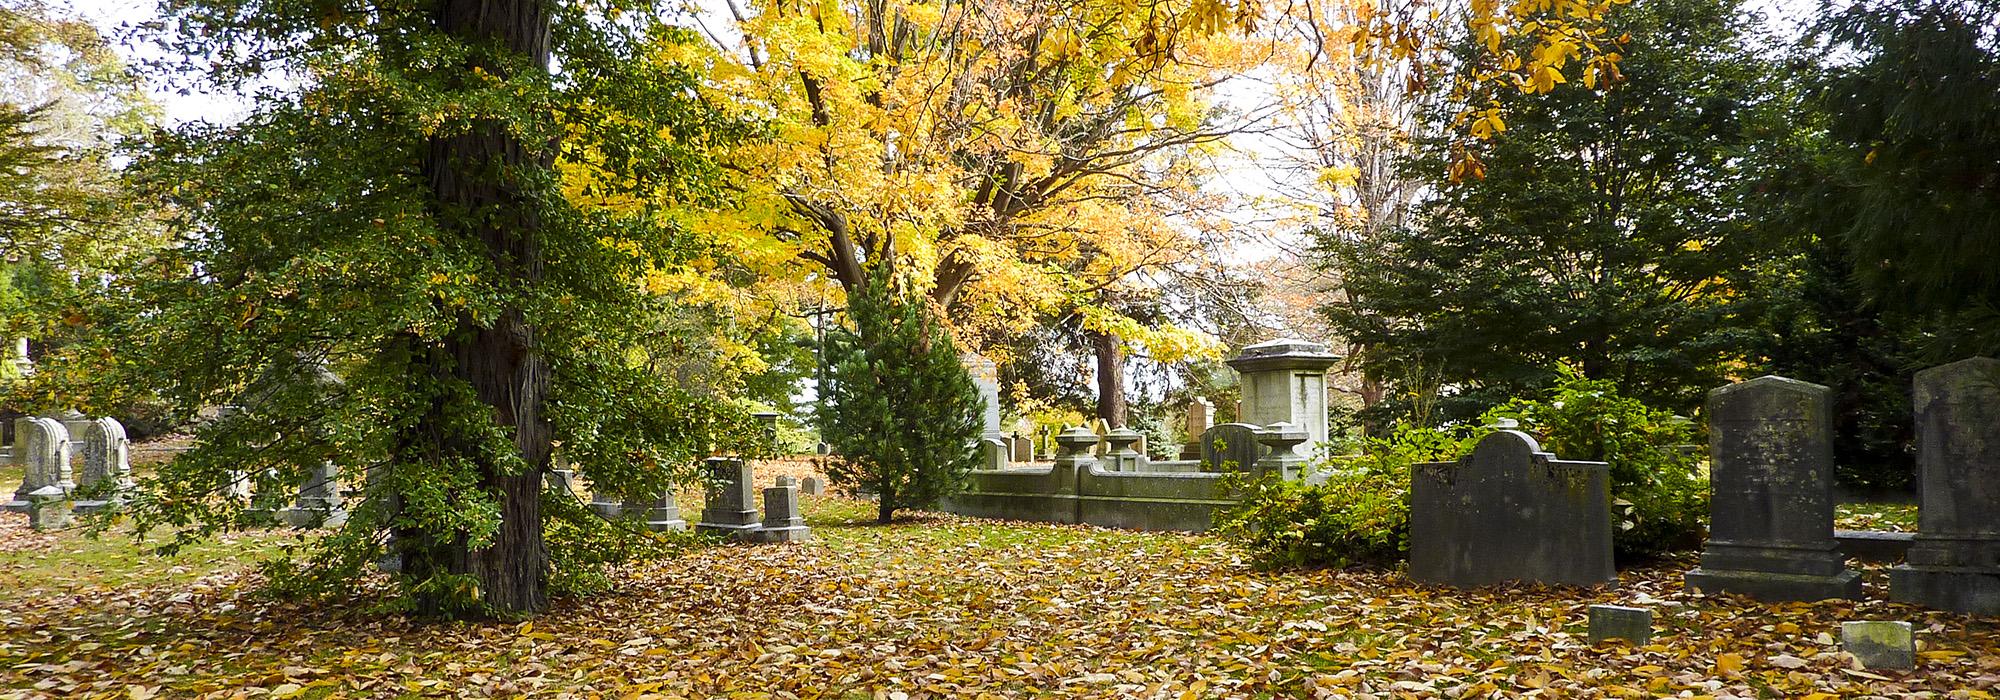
937 606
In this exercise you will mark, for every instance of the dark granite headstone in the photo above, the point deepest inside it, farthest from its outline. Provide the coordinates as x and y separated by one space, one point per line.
1631 624
1230 447
1955 562
1511 512
730 505
1771 520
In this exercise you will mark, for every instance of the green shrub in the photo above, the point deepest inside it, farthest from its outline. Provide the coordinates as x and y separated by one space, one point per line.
1660 495
1359 515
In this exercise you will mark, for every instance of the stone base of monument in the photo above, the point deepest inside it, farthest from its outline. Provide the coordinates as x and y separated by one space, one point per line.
1957 589
1870 545
1772 587
669 525
730 531
309 518
795 533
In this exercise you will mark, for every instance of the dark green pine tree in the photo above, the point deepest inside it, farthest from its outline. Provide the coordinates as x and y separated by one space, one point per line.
897 406
1600 236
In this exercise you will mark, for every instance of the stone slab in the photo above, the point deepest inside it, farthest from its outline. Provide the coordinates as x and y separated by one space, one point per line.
1873 545
1631 624
1880 645
1510 512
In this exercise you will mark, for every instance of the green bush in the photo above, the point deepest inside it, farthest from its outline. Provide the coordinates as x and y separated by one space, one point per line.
1359 515
1660 495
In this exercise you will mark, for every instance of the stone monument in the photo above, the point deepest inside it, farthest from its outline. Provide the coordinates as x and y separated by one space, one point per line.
730 506
781 517
1771 519
1511 512
1230 447
1282 459
1955 562
42 446
1200 417
1119 453
1284 381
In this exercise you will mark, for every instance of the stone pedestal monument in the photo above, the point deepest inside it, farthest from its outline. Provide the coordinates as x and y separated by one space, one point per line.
1771 520
1955 562
1281 458
1120 453
1284 381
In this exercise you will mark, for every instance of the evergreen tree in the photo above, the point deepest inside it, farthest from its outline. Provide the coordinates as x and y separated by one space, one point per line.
403 207
897 406
1599 236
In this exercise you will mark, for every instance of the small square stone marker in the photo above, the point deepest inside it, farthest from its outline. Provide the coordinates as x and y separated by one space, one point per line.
1880 644
1634 625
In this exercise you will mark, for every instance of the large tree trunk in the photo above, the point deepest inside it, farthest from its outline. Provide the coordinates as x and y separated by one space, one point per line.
477 180
1110 378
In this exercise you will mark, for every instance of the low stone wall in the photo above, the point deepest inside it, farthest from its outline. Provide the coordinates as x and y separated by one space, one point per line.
1184 502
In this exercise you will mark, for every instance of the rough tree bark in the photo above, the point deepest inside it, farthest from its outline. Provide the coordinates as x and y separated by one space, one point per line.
1110 378
476 178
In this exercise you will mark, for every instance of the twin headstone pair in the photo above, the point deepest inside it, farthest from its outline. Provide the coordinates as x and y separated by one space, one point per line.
729 506
51 485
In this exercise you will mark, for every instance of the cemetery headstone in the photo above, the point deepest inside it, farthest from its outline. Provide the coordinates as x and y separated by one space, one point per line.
1284 381
812 486
662 514
1199 418
1282 441
76 423
768 422
107 465
1511 512
1230 447
782 522
1120 454
606 504
45 460
730 506
1633 625
1771 518
319 502
1021 448
992 453
1955 562
1880 645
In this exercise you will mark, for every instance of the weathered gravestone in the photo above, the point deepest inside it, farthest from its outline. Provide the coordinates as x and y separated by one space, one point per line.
729 507
1510 512
784 480
1230 447
106 475
75 422
49 509
662 514
812 486
318 503
1955 561
1771 518
781 517
43 445
1284 381
1021 448
1200 417
1633 625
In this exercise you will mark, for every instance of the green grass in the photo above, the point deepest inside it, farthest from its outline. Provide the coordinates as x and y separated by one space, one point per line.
73 561
1895 517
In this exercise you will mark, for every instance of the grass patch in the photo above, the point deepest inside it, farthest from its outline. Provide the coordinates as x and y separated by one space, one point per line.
1893 517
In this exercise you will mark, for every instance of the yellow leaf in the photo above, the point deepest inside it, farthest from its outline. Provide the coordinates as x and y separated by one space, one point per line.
1729 663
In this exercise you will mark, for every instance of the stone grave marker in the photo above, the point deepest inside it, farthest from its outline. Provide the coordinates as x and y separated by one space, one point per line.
1883 645
784 480
1771 518
49 509
1511 512
1021 448
45 457
106 475
319 502
782 522
1200 417
730 506
1230 447
1954 563
812 486
1633 625
662 514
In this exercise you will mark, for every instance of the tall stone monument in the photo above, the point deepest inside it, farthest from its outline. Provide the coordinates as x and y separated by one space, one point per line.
42 446
1511 512
1955 562
730 506
1284 381
1771 518
1200 416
